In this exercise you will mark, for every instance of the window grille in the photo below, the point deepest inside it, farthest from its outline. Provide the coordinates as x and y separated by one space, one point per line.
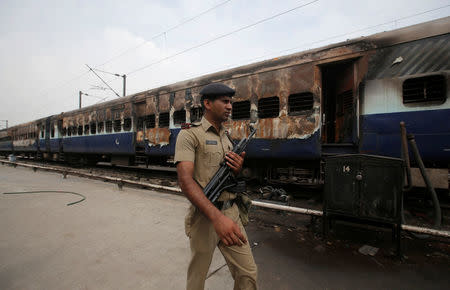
179 117
269 107
127 124
424 89
86 129
93 128
241 110
300 102
196 114
101 127
80 130
108 126
117 125
164 120
149 121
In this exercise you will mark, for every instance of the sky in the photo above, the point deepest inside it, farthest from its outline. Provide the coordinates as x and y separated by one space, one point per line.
45 45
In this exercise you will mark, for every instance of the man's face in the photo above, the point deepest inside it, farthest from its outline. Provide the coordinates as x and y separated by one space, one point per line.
220 108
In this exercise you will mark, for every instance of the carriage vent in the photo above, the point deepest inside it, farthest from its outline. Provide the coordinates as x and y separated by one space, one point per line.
269 107
93 128
424 89
241 110
164 120
108 126
127 124
149 121
196 114
179 117
300 102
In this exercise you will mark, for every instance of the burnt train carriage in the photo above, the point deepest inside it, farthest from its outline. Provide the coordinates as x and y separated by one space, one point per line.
344 98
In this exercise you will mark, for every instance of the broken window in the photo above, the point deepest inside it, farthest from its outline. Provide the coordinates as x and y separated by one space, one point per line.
93 128
300 102
269 107
74 130
86 129
150 121
127 124
108 125
196 114
69 131
164 120
64 131
179 117
241 110
140 124
101 126
425 89
117 125
52 131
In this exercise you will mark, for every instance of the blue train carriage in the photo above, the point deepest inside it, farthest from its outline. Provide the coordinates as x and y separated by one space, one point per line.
5 142
24 139
101 132
50 138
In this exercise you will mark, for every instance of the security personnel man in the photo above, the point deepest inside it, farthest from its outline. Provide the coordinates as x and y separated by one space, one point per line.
199 152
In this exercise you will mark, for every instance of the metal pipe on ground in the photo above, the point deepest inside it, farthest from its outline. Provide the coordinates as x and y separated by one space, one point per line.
410 228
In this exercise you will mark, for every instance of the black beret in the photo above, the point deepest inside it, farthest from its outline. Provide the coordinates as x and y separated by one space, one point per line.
215 90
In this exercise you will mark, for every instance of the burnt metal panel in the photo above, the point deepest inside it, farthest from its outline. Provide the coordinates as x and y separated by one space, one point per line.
422 56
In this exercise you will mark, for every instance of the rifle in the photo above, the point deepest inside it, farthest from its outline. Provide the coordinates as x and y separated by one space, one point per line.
223 179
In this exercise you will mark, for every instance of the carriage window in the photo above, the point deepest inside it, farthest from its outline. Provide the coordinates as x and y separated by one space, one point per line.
80 130
117 125
127 124
269 107
108 126
196 114
179 117
150 121
93 128
53 131
163 120
69 131
241 110
86 129
74 131
101 126
300 102
140 124
424 89
64 131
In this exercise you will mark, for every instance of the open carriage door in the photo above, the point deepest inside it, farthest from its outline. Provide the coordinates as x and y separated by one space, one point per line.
339 110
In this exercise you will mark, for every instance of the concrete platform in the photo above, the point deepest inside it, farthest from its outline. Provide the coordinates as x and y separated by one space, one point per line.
129 239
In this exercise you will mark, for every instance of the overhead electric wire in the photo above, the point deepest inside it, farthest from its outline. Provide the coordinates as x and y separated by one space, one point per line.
103 81
247 61
221 36
165 32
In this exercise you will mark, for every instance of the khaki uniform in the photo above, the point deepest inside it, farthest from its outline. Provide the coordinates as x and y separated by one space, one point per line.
205 147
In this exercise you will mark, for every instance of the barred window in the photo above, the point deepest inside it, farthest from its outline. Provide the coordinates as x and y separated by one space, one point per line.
127 124
164 120
241 110
64 131
196 114
108 126
86 129
298 103
269 107
101 126
80 130
179 117
117 125
149 121
69 131
93 128
425 89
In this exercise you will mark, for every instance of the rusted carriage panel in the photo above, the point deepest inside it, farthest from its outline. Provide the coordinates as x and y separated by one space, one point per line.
157 136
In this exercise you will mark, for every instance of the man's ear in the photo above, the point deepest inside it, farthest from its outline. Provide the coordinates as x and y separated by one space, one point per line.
207 104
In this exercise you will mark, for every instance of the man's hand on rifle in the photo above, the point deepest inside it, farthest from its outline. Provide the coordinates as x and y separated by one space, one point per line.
228 231
235 162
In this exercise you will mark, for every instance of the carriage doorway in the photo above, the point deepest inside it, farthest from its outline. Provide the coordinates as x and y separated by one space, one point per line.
339 105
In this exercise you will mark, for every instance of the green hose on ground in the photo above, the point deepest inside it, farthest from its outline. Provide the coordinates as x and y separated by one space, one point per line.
56 191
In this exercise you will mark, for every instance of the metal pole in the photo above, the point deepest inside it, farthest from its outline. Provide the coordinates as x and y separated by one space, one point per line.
124 84
79 101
